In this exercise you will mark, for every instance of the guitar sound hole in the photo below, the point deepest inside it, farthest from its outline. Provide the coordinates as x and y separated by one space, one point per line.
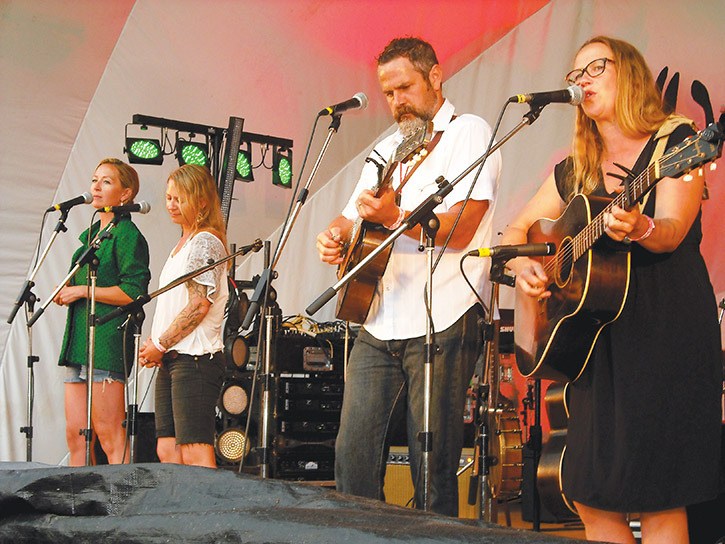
564 262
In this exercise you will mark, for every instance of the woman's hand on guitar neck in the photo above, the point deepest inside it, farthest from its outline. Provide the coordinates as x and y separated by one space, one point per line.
620 224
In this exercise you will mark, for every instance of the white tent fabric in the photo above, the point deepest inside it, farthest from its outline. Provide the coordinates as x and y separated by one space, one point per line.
74 73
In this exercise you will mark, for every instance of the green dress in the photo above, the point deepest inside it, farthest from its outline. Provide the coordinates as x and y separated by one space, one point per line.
123 261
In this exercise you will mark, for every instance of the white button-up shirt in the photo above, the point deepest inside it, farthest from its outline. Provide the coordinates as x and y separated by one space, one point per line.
398 307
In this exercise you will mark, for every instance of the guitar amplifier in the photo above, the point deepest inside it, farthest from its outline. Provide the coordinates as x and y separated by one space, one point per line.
398 485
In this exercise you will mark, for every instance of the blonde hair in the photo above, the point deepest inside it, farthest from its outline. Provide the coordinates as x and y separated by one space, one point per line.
127 175
195 183
637 108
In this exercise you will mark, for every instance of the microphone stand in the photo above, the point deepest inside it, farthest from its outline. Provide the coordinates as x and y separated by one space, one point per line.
261 292
135 321
420 214
489 387
141 300
424 216
88 258
28 298
430 228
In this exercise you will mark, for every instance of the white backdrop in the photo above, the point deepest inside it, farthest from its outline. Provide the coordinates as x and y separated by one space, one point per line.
74 73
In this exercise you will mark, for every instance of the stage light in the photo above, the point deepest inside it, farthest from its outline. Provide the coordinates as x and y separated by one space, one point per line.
234 397
282 167
232 444
236 351
192 151
244 170
143 150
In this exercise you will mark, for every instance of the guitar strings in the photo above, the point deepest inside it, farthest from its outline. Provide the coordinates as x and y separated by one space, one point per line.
581 242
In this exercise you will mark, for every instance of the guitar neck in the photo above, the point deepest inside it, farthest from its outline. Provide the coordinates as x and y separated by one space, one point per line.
638 187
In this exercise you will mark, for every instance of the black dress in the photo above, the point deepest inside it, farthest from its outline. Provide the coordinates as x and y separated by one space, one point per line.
645 416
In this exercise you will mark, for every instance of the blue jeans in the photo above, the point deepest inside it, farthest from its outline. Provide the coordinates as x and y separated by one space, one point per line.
79 374
385 380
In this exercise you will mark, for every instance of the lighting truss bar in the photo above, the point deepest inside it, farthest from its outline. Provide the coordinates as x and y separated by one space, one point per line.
183 126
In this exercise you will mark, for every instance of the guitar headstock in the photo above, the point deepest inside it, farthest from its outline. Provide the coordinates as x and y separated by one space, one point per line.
413 143
693 152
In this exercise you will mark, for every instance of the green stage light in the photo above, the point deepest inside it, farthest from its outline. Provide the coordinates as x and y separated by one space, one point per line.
244 171
144 151
192 152
282 167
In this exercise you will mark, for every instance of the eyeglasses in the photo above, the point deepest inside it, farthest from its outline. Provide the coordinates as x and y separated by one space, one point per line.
593 69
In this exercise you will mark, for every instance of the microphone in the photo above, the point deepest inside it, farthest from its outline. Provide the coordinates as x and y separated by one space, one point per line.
140 207
85 198
573 95
511 252
357 102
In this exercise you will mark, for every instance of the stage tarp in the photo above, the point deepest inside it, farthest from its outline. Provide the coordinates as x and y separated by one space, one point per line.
170 503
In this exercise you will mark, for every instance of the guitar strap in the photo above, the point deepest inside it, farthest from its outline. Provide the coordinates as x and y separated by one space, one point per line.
429 149
661 137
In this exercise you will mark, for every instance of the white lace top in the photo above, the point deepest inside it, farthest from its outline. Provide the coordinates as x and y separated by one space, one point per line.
195 253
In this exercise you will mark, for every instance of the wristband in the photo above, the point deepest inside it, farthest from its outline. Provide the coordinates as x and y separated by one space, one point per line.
398 221
648 232
158 345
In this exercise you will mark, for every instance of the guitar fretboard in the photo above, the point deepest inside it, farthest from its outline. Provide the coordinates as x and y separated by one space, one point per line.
673 162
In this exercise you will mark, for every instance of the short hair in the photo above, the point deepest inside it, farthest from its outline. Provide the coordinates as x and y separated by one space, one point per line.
419 52
127 175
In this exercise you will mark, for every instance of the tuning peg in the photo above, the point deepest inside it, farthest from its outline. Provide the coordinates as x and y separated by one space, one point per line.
687 177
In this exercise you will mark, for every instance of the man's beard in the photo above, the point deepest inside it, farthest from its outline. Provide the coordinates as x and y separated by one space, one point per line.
410 125
425 116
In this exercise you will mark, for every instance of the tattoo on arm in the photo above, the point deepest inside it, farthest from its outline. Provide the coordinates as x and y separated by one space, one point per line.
190 317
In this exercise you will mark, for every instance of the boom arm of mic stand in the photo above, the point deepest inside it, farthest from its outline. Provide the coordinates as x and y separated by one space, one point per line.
269 273
88 256
421 213
135 306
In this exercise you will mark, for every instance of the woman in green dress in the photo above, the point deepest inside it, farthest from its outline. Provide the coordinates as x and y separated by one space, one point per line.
123 274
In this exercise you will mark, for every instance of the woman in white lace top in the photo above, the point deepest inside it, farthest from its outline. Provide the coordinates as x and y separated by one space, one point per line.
186 335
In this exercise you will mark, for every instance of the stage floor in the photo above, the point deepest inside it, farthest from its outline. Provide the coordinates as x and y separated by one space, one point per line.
151 502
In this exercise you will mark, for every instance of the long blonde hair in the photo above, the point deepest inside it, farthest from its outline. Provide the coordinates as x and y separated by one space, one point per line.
638 111
195 183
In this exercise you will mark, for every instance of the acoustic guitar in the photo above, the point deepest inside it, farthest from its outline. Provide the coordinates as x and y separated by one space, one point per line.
355 298
590 272
551 462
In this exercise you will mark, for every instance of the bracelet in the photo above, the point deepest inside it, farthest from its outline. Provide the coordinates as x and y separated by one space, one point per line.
650 228
158 345
398 221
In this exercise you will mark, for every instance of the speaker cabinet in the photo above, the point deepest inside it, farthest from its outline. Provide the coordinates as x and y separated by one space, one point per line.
398 485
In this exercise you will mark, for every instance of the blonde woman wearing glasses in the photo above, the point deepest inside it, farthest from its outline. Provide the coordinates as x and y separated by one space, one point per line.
644 428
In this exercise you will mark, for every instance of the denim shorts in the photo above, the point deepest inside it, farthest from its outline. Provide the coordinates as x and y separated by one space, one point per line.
79 374
187 391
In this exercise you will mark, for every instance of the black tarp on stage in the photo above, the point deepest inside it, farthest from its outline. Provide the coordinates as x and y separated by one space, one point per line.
170 503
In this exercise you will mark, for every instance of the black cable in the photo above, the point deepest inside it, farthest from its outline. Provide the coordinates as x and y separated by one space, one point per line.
297 184
473 289
473 184
444 246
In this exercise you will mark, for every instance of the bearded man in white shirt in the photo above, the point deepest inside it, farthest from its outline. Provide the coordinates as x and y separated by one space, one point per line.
385 375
